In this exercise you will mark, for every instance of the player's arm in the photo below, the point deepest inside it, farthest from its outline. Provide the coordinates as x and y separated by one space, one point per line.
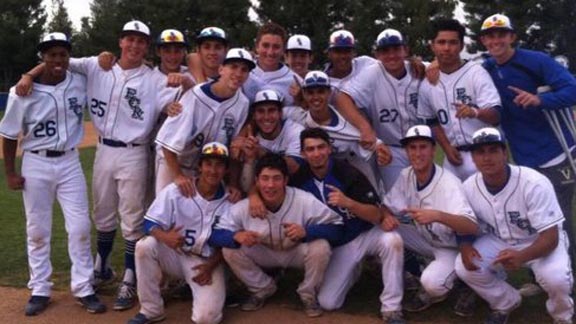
366 211
204 270
171 237
460 224
489 115
562 83
24 85
544 244
388 222
350 112
184 183
451 152
195 67
14 180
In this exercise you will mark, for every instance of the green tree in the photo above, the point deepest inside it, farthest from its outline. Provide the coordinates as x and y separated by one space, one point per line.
60 21
21 24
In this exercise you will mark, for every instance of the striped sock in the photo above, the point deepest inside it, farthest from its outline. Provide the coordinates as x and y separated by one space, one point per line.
104 243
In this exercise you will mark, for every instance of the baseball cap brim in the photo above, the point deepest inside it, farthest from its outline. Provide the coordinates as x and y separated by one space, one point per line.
250 63
46 45
407 140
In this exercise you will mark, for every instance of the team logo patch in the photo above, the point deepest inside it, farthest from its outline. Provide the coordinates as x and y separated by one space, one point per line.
413 100
229 127
75 107
521 223
462 96
134 103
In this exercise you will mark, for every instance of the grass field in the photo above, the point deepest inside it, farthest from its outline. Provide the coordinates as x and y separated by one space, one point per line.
363 299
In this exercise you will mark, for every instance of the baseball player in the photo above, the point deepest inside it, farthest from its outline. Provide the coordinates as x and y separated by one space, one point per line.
50 122
212 111
517 208
517 74
270 72
211 48
347 191
299 55
294 233
463 101
434 200
389 95
178 229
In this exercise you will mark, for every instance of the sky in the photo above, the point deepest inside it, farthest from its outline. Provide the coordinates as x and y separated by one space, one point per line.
76 10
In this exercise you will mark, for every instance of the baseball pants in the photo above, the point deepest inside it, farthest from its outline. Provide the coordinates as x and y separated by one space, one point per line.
164 176
463 171
390 173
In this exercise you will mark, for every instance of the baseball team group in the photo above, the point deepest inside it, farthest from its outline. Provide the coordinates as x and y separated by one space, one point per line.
239 165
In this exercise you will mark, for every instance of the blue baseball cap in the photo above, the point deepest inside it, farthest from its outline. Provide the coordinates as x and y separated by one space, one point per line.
315 79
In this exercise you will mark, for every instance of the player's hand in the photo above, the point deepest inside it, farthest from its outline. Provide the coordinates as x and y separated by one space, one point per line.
465 111
247 238
338 198
172 238
389 223
423 216
175 80
383 154
417 68
510 259
525 99
368 138
453 156
251 148
234 194
236 147
203 275
186 185
106 60
256 206
433 72
469 255
15 181
24 85
294 231
173 109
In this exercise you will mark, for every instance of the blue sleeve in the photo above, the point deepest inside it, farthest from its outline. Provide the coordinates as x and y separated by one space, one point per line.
330 232
149 225
563 85
223 238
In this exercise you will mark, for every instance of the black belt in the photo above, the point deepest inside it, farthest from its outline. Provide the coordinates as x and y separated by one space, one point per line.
50 153
114 143
464 148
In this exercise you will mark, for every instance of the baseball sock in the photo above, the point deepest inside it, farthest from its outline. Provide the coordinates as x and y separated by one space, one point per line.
129 261
104 243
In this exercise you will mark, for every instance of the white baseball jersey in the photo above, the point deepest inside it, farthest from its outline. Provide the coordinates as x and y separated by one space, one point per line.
470 85
50 118
122 103
278 80
358 64
516 214
196 215
390 103
167 95
444 192
202 120
296 114
287 142
299 207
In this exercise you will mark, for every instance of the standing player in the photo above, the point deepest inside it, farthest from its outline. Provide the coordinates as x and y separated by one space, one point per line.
177 243
347 191
434 199
211 48
517 74
523 221
389 95
50 121
298 55
463 101
294 233
213 111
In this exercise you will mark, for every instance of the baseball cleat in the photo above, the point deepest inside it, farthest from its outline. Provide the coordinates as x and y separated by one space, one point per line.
466 302
312 308
36 305
500 317
126 296
393 317
142 319
422 301
92 304
530 289
102 279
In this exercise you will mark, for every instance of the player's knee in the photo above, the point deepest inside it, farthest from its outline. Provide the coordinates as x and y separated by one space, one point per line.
554 284
328 301
459 268
390 243
319 249
146 246
434 286
207 316
231 256
38 235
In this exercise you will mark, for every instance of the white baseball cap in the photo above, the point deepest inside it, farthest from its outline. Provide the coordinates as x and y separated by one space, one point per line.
54 39
299 42
315 79
342 39
135 26
417 132
211 33
486 135
240 54
171 36
497 21
268 96
389 37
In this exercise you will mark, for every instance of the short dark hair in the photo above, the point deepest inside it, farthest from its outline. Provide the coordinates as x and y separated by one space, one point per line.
271 161
274 29
315 132
444 24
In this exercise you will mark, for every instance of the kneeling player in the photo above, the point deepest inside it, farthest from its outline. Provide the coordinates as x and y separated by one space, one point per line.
178 230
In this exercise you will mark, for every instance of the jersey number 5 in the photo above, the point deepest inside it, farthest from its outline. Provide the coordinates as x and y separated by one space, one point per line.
45 129
388 115
97 107
189 238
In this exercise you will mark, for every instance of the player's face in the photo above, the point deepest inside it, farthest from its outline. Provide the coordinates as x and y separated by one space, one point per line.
270 50
316 98
392 57
316 152
420 154
212 171
499 43
490 160
212 53
133 47
299 61
271 185
447 46
56 59
171 57
341 58
234 74
267 116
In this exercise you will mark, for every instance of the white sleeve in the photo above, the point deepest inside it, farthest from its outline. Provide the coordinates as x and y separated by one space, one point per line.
83 65
231 219
294 113
485 90
177 131
543 209
13 119
454 200
161 211
396 199
293 139
361 87
425 109
252 85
